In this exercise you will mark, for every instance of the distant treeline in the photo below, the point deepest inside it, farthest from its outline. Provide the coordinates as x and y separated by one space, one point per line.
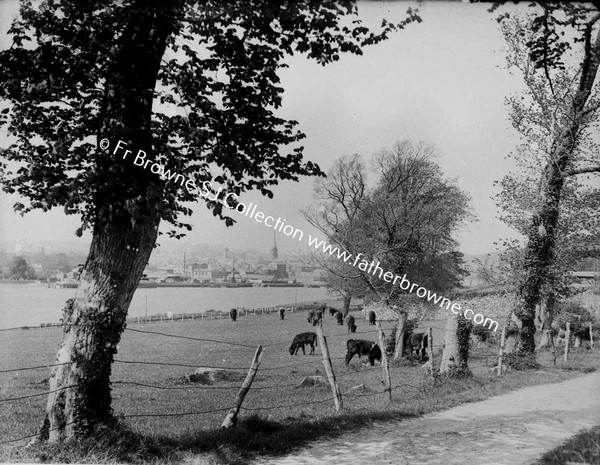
51 262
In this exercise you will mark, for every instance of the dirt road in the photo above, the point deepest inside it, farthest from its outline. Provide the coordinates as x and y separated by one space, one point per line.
514 428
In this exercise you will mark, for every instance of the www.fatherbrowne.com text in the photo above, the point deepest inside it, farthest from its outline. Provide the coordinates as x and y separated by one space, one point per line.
280 225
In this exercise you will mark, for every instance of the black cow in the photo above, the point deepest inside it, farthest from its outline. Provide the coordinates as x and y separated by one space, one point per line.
300 340
233 314
361 347
372 317
351 324
418 342
340 318
333 311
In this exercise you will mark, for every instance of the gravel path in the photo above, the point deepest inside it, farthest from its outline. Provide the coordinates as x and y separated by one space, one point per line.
513 428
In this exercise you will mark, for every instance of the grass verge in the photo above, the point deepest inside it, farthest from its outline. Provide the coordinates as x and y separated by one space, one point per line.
581 448
263 435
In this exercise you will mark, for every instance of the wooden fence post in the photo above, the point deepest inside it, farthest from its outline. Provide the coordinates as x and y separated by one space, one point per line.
591 335
337 395
567 340
384 360
430 345
231 418
501 350
552 348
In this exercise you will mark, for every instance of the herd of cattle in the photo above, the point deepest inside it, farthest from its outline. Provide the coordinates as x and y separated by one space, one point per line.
413 342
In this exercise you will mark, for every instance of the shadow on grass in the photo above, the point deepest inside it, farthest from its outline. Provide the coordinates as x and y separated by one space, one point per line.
252 437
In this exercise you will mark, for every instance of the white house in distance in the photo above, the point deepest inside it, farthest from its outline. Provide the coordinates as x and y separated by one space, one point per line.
199 271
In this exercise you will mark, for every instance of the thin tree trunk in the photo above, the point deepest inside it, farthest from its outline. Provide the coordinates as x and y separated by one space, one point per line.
400 332
346 307
123 238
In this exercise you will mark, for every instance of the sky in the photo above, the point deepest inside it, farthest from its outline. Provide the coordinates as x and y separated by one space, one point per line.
442 81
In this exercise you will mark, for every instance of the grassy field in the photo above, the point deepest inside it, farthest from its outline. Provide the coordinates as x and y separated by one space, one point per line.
166 417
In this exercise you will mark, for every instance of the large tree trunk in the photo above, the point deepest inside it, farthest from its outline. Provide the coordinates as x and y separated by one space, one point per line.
93 322
455 355
124 235
450 351
539 256
539 253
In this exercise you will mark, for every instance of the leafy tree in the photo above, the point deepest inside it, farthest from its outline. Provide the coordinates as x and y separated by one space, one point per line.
557 117
340 199
194 86
20 269
405 221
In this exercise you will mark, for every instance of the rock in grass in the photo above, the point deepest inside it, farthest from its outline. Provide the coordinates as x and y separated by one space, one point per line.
313 381
207 375
360 388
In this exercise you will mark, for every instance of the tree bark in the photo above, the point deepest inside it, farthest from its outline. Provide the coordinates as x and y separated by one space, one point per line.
346 307
539 253
450 351
122 242
400 332
93 321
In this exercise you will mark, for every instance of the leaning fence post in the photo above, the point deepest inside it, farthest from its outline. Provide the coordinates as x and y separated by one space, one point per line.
567 339
384 361
231 418
337 395
591 335
501 350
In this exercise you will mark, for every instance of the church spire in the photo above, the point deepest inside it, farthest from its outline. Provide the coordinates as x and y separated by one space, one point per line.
274 251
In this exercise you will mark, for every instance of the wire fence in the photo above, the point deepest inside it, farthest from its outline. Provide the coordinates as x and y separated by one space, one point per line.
483 355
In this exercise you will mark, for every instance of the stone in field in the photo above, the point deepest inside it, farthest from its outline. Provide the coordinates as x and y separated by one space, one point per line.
313 381
207 375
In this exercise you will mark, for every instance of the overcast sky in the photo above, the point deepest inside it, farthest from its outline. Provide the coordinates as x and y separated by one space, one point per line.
442 81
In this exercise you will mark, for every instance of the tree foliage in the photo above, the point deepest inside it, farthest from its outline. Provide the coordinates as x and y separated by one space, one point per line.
20 269
192 84
405 220
214 106
556 50
539 114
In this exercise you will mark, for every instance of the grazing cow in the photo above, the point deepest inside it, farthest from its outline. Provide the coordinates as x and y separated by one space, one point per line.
372 317
281 313
417 342
333 311
340 318
300 340
361 347
233 314
351 324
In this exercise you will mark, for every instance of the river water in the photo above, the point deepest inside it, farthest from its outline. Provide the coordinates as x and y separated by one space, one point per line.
33 304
